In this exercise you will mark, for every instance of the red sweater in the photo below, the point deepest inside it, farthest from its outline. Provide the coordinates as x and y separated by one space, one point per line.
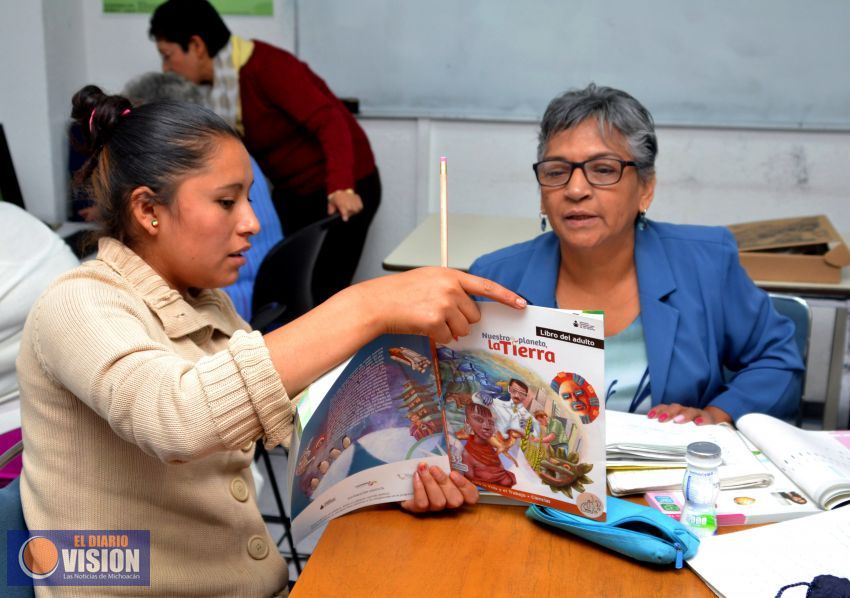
303 137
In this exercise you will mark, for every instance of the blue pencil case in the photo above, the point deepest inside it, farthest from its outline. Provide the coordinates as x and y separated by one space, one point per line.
633 530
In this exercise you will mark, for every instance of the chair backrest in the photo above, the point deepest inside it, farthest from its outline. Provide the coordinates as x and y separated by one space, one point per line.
799 312
285 277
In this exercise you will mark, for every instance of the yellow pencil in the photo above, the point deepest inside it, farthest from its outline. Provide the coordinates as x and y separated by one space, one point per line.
444 215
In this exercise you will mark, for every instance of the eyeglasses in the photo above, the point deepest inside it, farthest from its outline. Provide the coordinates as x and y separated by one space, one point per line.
599 172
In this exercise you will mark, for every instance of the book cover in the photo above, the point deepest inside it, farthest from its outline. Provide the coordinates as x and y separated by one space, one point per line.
522 415
362 429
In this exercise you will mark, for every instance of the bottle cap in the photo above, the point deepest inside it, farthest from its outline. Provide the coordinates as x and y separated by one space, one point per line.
704 454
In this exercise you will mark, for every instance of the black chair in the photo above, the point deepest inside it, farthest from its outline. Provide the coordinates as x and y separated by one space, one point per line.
283 292
282 518
284 283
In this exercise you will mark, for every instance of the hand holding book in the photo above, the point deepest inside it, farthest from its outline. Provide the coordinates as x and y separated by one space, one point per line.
434 490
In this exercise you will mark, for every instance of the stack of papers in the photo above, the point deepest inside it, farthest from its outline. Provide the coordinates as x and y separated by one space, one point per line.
643 454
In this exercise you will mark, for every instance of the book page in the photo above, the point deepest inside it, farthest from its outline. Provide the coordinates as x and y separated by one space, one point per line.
745 506
818 462
523 418
758 562
366 434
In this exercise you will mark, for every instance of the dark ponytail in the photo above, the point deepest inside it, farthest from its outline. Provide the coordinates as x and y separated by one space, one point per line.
156 145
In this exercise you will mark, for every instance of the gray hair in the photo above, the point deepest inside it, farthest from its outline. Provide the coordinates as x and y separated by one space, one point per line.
151 87
614 110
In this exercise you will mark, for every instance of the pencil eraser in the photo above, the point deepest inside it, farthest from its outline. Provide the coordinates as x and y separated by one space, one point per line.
442 158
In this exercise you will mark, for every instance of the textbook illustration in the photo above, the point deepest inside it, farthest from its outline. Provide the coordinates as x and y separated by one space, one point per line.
512 406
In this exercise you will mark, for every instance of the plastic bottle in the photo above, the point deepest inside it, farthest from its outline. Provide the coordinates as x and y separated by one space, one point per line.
700 486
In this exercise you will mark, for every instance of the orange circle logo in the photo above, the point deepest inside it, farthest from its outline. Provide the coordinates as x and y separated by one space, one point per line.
38 557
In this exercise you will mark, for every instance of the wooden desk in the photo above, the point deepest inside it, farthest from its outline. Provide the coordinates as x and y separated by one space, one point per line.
486 550
470 236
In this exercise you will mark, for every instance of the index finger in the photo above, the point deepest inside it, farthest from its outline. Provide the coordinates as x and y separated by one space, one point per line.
475 285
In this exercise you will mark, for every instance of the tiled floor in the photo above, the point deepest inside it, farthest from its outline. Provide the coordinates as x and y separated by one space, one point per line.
268 507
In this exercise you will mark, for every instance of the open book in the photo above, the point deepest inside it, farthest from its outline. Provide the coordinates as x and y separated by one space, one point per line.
512 406
792 469
818 462
780 501
644 454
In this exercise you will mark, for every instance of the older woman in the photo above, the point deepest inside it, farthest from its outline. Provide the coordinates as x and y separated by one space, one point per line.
689 337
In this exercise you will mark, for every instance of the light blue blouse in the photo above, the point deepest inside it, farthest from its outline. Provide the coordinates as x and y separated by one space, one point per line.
627 370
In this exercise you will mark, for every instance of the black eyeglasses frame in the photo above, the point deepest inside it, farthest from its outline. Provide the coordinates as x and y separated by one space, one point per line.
580 165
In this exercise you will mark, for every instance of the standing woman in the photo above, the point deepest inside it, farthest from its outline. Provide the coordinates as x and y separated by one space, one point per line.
142 390
312 149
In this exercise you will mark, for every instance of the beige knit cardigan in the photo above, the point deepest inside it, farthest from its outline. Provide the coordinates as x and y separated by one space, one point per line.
140 408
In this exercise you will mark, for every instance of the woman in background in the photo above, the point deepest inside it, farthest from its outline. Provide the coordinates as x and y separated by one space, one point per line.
142 390
313 150
679 309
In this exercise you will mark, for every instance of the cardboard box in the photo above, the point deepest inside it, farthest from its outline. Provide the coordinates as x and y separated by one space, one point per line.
805 249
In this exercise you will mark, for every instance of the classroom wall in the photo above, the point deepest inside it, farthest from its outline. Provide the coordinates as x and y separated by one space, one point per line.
705 175
24 103
109 37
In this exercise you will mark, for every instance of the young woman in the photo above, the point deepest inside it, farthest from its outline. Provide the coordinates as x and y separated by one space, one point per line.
143 392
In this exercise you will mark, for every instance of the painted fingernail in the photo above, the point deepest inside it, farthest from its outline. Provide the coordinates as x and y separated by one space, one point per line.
662 417
698 420
521 302
422 467
651 414
678 419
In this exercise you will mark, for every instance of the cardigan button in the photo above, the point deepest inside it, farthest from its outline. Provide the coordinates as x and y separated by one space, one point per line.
258 548
239 489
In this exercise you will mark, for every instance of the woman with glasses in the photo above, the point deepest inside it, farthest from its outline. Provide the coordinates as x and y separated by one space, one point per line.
689 337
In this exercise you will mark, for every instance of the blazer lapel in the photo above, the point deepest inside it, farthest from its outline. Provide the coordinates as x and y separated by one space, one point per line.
537 285
660 320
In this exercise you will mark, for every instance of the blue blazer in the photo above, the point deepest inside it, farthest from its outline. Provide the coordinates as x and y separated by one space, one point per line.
701 313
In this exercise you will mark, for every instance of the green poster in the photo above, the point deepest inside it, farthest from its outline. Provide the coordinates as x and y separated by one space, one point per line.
254 8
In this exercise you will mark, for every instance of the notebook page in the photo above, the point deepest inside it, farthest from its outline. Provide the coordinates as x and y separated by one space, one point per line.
757 562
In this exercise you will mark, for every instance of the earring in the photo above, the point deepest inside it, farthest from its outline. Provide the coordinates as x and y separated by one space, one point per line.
154 223
642 220
542 222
